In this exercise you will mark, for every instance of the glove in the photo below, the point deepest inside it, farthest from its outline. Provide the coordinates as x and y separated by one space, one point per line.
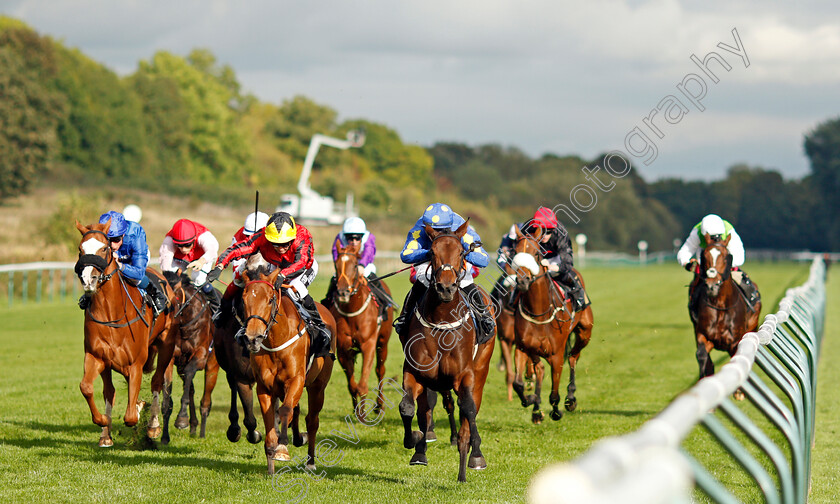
279 281
197 264
214 274
554 268
691 265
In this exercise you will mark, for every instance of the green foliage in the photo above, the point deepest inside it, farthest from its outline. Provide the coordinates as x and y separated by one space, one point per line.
392 160
822 145
296 121
59 227
29 109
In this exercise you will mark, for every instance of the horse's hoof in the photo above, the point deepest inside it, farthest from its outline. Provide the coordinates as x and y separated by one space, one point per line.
410 441
154 432
418 459
140 406
537 417
431 437
106 442
453 440
254 437
571 403
477 463
738 395
182 422
234 433
556 414
165 439
302 440
281 454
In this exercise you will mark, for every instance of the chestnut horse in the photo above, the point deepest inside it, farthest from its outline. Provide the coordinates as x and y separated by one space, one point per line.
723 314
544 322
121 334
359 325
442 353
505 319
279 345
191 319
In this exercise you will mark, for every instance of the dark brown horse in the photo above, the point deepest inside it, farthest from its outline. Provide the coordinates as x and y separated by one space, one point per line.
544 322
505 319
441 353
723 314
359 325
191 319
121 334
279 345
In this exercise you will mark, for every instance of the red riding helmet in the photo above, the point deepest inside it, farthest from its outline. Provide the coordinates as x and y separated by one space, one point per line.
544 218
183 232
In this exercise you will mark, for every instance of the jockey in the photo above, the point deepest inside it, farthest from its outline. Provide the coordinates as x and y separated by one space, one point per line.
501 291
417 250
189 246
557 254
718 230
355 232
287 246
128 242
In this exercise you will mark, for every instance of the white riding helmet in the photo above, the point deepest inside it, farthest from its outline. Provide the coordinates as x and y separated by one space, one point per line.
713 225
251 226
354 225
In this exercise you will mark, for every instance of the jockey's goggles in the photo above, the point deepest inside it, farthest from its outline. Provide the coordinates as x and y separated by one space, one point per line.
353 237
188 245
115 239
717 238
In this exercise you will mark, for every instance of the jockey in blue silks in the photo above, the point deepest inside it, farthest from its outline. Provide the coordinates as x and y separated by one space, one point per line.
128 243
416 251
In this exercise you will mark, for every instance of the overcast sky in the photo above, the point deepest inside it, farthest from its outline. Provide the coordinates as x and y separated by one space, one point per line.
540 75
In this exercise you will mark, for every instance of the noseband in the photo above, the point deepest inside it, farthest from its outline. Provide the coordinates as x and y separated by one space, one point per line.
99 263
274 309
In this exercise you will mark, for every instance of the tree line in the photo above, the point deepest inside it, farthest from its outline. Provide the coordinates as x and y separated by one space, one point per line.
183 125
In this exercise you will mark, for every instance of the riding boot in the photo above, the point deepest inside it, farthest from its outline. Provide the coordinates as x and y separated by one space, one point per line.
411 299
157 299
221 318
749 289
316 327
328 297
578 294
693 297
381 296
486 325
213 297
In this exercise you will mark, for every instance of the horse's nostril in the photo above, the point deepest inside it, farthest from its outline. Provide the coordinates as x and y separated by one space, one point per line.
711 273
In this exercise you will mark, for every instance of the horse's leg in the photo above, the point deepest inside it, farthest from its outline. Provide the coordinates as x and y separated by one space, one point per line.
298 439
135 381
93 368
368 351
449 406
267 408
108 393
193 417
381 355
412 390
315 400
424 416
189 373
346 360
537 415
211 373
431 400
167 404
161 381
518 383
468 434
233 432
556 363
704 361
476 460
583 333
246 396
293 390
510 372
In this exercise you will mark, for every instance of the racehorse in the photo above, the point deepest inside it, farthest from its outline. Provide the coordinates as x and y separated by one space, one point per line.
442 353
191 319
723 313
121 334
544 322
276 336
360 329
505 319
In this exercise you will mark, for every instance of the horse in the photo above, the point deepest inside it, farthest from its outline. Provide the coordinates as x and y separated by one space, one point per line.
193 352
121 334
360 329
723 314
276 336
442 354
544 322
505 319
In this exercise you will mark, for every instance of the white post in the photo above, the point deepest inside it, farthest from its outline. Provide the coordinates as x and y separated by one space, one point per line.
643 246
581 241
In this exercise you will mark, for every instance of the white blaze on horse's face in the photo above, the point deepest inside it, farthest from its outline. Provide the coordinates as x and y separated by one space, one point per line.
90 246
712 272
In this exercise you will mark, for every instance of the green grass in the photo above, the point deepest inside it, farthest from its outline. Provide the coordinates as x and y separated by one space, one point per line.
641 356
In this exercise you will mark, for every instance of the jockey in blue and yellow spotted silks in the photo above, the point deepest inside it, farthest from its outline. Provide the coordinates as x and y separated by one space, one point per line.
416 251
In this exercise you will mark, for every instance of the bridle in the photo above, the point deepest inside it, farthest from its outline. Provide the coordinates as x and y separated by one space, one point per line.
460 271
275 307
556 303
186 302
712 272
356 283
98 262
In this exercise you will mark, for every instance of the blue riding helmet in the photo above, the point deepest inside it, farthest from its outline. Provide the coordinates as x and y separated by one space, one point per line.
438 216
118 223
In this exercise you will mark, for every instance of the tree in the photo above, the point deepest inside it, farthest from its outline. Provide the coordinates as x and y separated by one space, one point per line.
822 146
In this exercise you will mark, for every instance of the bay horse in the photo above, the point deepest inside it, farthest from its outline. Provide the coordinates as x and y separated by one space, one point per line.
276 336
191 320
442 353
505 318
543 325
121 334
723 313
360 329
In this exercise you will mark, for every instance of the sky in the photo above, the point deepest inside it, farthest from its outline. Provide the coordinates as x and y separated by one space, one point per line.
544 76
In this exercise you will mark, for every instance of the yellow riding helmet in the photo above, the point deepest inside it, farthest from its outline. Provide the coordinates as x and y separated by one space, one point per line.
281 228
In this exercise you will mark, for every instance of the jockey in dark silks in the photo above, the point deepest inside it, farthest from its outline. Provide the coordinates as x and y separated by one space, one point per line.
128 241
557 254
717 229
417 250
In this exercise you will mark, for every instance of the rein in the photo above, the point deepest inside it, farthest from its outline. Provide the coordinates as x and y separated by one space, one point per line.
186 303
275 308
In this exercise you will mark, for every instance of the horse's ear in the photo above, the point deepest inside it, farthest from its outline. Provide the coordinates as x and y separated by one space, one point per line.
246 276
338 246
462 230
107 226
81 228
726 241
538 233
519 234
431 233
708 238
273 275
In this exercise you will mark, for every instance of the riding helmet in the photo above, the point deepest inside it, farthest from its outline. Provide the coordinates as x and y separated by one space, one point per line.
183 232
118 224
254 222
281 228
544 218
438 216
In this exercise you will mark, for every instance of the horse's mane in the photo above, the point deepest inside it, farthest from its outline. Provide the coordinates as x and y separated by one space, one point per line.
256 265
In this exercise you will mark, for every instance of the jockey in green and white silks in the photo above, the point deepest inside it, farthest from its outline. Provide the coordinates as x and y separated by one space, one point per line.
714 226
